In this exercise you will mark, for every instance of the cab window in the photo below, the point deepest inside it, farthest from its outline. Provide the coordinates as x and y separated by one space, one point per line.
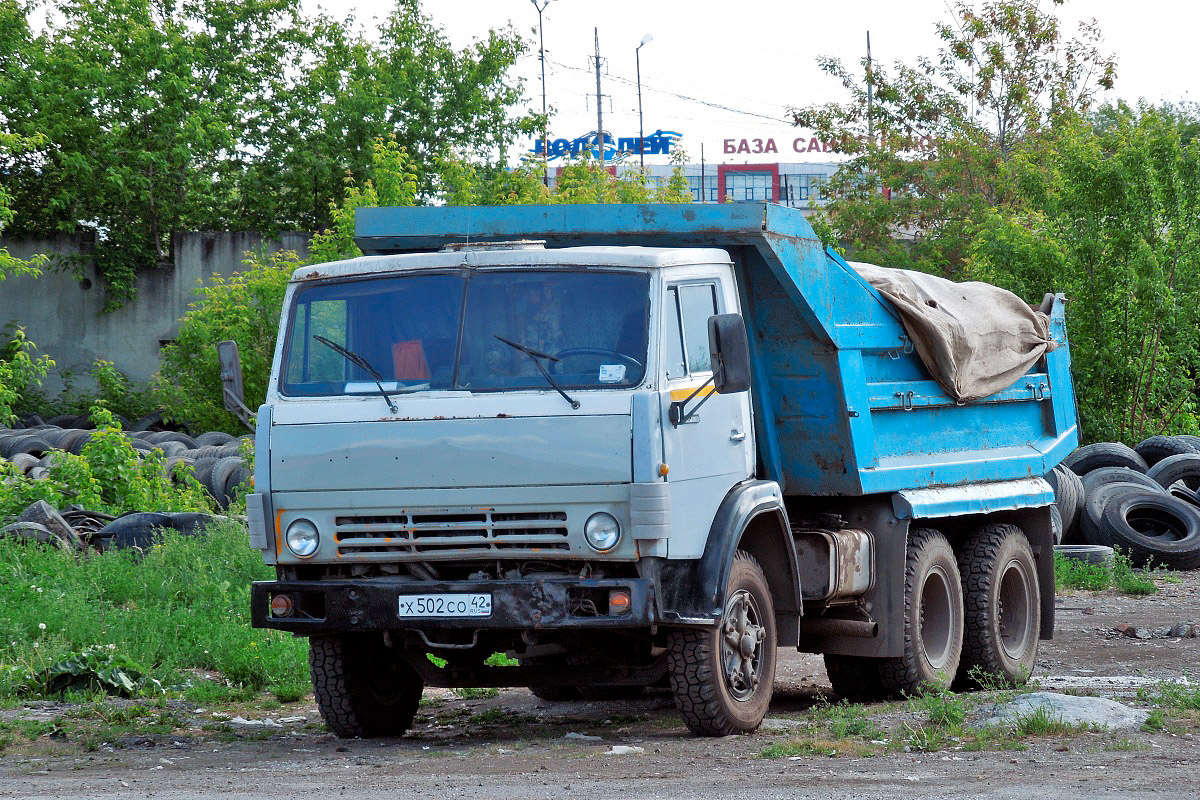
685 325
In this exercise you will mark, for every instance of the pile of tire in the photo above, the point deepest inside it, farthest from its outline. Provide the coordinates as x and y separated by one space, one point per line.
215 458
1143 500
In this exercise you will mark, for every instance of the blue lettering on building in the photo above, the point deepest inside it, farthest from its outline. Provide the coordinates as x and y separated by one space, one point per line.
657 143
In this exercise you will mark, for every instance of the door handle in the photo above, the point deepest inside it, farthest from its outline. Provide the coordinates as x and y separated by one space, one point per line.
736 435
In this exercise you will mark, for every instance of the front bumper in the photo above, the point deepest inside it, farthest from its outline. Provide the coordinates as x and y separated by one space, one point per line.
347 606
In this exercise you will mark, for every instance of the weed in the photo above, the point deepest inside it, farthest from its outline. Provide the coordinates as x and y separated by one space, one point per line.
183 606
814 747
1119 574
847 720
1155 722
211 693
490 717
472 693
1044 722
291 693
1177 696
500 660
943 708
1123 745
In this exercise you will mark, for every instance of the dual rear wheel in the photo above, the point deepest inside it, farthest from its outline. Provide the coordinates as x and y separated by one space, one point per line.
971 617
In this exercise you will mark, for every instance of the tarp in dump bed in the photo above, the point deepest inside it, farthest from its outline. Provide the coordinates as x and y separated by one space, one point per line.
974 338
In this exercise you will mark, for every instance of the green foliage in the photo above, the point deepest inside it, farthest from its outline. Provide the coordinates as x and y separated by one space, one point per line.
997 168
1110 214
393 183
11 144
1119 574
92 669
108 476
184 605
109 387
161 117
581 180
20 372
937 131
245 308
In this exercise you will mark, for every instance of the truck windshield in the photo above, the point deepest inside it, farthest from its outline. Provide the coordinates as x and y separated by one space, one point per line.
446 331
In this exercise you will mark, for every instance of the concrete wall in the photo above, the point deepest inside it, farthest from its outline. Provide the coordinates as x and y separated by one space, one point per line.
62 313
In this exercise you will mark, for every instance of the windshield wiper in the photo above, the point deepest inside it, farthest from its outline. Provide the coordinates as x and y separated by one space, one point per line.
535 355
362 363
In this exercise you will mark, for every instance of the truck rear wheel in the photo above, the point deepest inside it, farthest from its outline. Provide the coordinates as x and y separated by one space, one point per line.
362 687
1003 606
933 617
722 676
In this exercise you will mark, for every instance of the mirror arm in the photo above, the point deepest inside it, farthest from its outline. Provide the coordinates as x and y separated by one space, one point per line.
241 411
677 415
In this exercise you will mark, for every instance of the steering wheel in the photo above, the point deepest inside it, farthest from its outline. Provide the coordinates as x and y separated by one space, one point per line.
598 351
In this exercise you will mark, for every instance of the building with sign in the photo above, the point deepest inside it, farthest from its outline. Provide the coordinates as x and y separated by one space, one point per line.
795 184
752 170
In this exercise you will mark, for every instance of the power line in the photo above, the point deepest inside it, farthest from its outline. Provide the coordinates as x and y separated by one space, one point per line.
690 99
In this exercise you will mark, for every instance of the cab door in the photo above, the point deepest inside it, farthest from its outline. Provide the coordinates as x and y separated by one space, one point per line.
713 449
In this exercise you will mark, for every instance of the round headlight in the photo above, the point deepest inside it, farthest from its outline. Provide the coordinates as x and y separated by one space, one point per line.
602 531
302 538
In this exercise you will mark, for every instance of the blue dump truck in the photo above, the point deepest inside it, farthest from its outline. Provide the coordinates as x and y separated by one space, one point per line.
635 446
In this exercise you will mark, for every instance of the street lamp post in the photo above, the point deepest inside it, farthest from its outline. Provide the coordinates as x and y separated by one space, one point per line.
637 55
542 58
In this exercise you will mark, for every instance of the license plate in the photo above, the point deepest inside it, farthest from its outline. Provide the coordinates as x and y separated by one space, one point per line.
445 605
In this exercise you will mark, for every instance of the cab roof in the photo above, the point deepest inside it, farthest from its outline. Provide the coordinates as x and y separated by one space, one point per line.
526 256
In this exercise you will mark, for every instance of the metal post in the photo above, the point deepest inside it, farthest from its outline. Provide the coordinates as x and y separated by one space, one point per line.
542 58
637 55
599 104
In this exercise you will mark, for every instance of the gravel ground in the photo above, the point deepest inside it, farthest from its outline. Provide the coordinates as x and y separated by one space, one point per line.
516 746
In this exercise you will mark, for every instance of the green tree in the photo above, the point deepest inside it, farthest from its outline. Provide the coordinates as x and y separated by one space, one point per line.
928 148
245 308
408 84
1108 211
162 116
10 265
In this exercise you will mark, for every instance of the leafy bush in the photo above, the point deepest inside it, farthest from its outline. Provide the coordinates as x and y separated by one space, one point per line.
245 308
107 476
19 371
184 605
110 388
1119 574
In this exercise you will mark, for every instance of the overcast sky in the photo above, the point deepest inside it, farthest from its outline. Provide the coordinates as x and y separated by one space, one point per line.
756 57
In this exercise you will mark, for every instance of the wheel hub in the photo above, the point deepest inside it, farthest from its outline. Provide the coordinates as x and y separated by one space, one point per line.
741 645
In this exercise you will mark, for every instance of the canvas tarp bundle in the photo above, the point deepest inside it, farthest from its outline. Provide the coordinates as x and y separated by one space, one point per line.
974 338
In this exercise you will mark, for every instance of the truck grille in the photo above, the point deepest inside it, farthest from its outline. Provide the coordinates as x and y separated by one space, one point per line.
451 534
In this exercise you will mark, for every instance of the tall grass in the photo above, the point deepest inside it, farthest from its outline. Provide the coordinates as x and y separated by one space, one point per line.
185 604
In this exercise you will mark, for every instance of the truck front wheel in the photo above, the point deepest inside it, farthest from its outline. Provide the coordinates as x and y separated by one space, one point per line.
722 676
933 617
1003 606
362 687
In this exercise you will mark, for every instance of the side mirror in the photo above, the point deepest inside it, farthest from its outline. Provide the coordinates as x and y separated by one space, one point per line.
729 349
231 381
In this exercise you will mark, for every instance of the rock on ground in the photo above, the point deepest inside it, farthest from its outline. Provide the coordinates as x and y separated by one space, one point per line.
1070 709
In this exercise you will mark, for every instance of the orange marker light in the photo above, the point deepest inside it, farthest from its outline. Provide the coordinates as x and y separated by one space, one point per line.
663 469
618 602
282 605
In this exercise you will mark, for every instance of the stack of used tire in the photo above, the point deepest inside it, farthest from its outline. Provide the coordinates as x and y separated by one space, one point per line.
1143 500
215 457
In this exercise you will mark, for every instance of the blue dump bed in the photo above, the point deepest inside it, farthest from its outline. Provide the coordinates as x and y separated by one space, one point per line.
843 404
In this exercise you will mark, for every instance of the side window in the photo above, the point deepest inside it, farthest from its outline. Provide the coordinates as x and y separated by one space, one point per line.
688 310
312 362
673 344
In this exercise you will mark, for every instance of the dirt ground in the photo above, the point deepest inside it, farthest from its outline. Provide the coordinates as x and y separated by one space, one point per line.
513 745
